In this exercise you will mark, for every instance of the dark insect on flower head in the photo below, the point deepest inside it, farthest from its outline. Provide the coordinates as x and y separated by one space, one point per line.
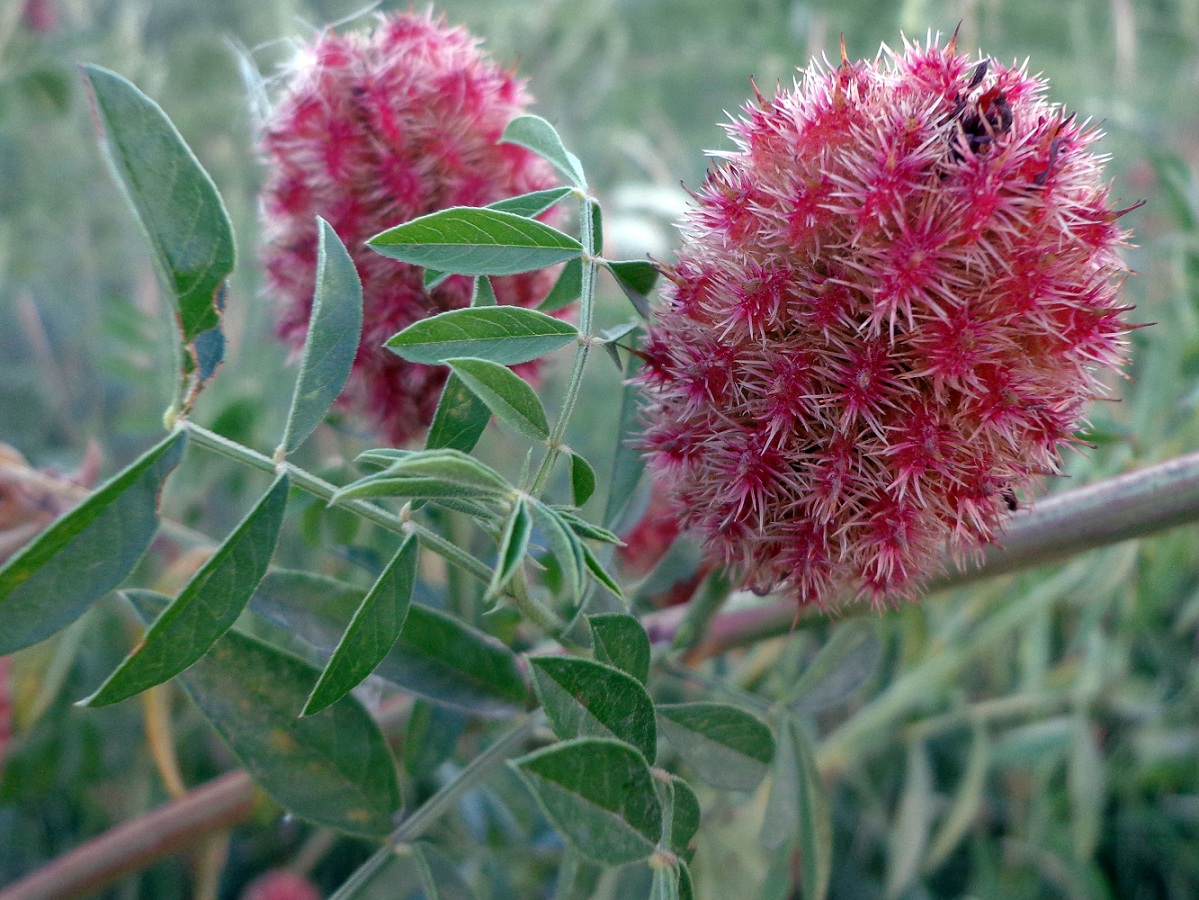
893 300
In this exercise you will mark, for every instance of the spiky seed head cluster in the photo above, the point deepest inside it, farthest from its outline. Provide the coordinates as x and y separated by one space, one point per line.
892 302
371 130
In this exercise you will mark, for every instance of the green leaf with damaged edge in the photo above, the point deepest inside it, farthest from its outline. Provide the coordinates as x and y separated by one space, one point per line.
372 632
502 334
507 395
332 768
599 794
583 698
467 240
334 327
441 659
193 253
460 420
536 134
620 640
52 581
726 746
206 607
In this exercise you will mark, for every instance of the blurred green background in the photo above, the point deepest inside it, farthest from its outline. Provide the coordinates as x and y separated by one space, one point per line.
1086 695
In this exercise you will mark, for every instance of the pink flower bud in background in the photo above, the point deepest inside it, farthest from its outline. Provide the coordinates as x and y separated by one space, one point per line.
40 16
280 884
371 130
893 300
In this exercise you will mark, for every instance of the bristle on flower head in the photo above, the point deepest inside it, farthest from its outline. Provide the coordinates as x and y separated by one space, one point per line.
373 129
892 302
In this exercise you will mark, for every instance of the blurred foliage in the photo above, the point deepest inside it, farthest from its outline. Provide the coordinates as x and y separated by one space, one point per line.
1034 736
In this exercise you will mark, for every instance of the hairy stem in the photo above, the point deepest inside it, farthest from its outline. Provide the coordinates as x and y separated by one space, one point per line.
586 320
325 490
415 825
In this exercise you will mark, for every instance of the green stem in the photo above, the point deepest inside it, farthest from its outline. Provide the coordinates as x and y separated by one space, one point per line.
586 320
325 490
475 772
531 608
415 825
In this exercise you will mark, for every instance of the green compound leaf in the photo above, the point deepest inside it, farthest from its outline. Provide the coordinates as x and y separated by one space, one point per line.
179 210
372 632
441 659
636 278
507 395
52 581
726 746
333 331
620 640
798 809
514 544
460 420
206 607
533 203
332 768
599 794
502 334
566 290
536 134
466 240
582 479
583 698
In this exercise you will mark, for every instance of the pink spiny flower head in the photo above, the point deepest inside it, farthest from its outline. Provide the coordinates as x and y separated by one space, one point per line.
371 130
892 302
